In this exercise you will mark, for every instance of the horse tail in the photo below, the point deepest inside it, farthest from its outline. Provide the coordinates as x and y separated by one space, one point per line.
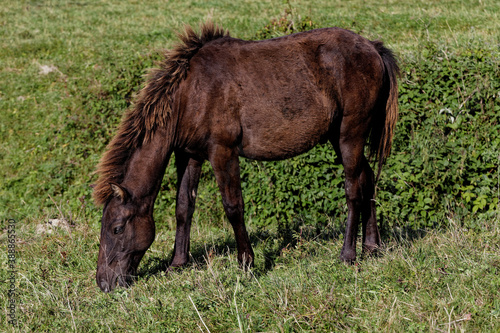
383 125
152 108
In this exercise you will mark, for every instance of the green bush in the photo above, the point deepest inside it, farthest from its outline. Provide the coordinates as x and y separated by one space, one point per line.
446 154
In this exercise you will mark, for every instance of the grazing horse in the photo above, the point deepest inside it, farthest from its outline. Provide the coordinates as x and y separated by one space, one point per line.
216 98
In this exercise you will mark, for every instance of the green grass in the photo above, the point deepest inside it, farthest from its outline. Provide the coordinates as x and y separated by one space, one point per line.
68 70
432 281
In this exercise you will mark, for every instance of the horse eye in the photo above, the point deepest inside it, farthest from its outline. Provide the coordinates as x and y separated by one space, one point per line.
118 230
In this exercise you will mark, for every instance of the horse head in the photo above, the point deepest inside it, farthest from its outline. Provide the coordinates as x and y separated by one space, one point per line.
127 231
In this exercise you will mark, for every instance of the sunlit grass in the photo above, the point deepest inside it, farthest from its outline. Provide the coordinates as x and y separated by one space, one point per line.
429 281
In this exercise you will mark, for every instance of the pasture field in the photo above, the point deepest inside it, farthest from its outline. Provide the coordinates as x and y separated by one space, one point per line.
68 71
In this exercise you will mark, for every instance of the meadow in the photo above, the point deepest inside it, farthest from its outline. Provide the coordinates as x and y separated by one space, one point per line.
68 71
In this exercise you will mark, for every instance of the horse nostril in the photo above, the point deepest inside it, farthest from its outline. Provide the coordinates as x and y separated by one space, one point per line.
104 286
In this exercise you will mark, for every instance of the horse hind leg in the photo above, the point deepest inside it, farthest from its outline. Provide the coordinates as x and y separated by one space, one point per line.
188 176
359 189
371 235
350 149
353 198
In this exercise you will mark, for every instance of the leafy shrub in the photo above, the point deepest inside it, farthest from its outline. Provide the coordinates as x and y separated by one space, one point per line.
447 146
310 186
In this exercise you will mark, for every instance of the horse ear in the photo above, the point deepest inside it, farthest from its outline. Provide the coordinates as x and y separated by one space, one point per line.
119 192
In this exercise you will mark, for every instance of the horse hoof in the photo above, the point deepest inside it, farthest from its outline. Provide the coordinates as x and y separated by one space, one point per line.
370 249
348 257
173 269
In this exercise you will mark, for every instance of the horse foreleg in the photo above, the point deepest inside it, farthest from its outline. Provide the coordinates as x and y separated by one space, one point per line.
188 176
371 235
227 173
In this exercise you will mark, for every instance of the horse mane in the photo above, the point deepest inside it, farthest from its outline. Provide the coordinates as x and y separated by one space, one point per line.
152 108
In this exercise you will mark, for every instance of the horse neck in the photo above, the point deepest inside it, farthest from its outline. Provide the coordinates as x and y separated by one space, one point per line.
146 168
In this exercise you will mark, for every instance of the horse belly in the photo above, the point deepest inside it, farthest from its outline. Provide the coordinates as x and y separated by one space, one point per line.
278 135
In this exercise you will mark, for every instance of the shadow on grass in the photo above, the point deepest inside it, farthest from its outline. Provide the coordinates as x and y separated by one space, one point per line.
403 236
271 244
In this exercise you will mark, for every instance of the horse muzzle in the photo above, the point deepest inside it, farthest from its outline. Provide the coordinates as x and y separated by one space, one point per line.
107 279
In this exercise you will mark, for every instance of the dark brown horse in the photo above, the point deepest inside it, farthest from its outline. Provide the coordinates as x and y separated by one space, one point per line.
217 98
